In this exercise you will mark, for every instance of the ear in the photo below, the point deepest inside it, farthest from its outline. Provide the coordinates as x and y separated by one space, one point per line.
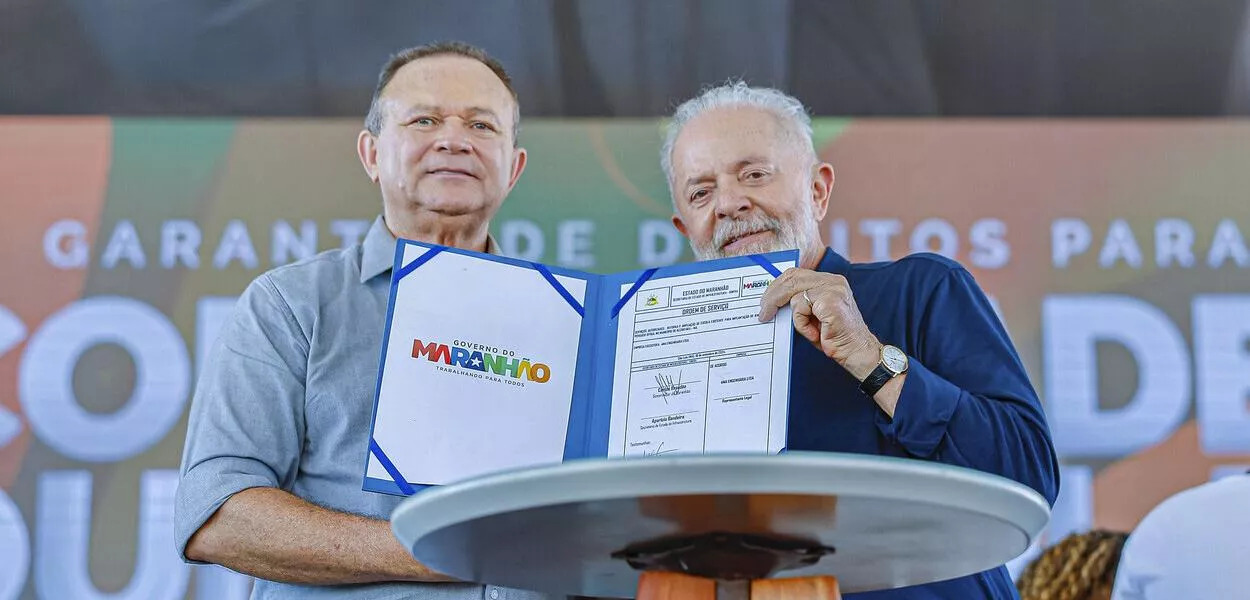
519 159
367 149
822 189
681 226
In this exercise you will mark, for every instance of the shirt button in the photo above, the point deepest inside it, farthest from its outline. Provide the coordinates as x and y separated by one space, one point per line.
494 594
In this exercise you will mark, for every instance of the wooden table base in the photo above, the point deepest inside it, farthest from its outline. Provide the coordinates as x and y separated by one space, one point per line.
659 585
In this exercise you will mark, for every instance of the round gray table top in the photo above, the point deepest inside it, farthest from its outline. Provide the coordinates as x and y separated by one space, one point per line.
893 522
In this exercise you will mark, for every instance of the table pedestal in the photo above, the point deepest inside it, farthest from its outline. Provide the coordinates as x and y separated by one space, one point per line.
724 565
660 585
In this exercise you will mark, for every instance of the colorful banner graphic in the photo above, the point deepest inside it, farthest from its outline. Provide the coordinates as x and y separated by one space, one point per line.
1115 252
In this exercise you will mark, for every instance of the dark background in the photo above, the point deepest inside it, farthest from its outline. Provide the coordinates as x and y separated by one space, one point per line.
633 58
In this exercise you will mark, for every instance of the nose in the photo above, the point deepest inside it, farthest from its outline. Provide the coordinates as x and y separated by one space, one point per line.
453 138
731 203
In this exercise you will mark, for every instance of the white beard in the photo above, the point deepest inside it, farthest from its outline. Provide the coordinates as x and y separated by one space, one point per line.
797 233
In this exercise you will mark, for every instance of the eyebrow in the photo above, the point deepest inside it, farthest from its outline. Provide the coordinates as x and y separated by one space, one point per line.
472 110
753 159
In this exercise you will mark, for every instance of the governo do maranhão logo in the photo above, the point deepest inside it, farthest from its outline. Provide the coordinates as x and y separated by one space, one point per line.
481 360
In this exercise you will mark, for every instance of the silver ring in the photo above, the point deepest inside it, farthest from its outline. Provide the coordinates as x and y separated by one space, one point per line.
809 300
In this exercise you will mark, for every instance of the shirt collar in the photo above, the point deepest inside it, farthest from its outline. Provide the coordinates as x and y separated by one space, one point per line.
832 262
378 250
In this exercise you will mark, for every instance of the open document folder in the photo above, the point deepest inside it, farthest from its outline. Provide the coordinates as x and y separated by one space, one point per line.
491 364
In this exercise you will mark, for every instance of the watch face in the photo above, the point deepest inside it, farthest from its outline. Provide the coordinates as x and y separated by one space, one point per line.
894 359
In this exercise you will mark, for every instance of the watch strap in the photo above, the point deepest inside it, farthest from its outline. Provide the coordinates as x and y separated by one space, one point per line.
875 380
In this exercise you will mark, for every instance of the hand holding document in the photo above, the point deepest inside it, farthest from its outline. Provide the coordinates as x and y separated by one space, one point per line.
491 364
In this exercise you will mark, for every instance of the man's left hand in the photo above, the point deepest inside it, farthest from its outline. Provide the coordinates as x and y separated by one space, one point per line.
826 314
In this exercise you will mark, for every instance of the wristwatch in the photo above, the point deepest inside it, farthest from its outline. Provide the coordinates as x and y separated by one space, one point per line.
893 363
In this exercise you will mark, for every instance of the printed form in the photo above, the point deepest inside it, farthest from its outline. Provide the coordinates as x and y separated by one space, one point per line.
696 372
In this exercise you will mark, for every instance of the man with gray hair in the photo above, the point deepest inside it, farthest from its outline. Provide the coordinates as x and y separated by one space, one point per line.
924 371
279 425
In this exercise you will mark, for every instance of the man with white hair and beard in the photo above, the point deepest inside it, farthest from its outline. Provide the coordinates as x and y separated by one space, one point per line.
925 370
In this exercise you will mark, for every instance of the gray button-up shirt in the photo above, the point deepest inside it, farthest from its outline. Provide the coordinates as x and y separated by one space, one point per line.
286 399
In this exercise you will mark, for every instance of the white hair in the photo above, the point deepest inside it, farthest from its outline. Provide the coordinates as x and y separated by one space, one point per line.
788 110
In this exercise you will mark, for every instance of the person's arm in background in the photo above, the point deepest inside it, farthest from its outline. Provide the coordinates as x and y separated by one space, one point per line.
244 439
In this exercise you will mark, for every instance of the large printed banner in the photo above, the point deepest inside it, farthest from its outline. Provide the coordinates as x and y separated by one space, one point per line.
1114 250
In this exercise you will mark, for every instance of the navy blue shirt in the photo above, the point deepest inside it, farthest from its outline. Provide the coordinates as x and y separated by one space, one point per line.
966 401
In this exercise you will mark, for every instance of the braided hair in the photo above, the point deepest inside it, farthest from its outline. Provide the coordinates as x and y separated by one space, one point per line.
1075 568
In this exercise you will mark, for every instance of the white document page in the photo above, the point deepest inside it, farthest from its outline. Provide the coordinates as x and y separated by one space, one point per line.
696 372
440 422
